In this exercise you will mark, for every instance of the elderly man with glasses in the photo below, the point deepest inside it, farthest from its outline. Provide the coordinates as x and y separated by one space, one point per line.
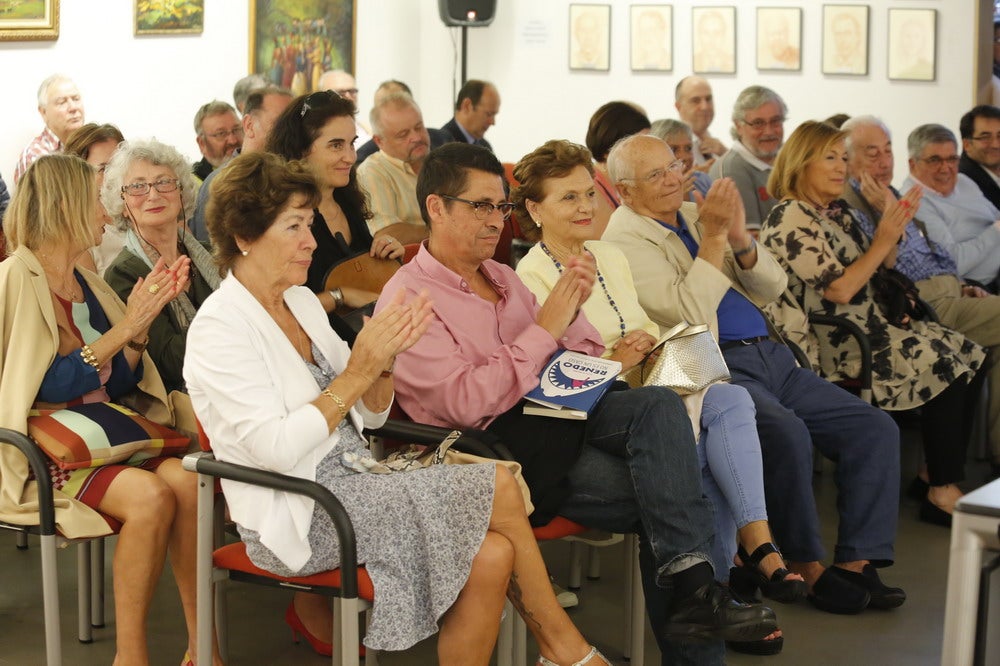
220 136
759 129
957 215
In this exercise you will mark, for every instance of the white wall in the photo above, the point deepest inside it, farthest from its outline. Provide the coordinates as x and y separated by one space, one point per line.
153 85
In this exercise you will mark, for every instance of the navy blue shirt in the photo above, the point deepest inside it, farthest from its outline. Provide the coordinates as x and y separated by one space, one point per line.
738 317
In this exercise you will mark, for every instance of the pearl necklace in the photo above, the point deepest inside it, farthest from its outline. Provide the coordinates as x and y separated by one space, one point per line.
600 280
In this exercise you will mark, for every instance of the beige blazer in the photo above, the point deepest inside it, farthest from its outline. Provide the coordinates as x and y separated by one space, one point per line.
27 348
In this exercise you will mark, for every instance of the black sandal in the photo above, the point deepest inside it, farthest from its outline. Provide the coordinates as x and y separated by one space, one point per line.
747 579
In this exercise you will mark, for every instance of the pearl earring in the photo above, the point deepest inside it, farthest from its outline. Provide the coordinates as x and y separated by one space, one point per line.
244 252
537 222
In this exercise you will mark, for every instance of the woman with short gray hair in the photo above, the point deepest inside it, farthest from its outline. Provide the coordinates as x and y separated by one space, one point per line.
149 193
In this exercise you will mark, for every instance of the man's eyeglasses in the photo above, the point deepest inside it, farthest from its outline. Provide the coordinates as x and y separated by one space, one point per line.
656 175
484 209
318 99
986 138
936 160
759 123
162 186
222 135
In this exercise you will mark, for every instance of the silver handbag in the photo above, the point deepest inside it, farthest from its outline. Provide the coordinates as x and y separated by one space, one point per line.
689 360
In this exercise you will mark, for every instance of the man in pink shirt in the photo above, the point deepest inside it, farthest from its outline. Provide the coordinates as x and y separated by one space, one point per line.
61 107
632 466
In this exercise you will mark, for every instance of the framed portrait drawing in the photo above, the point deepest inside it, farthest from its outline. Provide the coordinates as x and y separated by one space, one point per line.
169 17
779 38
845 39
713 40
912 44
292 42
23 21
590 37
652 43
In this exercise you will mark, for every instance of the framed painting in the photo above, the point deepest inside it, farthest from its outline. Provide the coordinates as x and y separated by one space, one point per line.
22 20
169 17
292 42
779 38
714 40
652 43
590 37
912 41
845 39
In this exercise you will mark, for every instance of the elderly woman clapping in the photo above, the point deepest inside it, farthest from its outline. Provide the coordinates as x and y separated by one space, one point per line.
149 192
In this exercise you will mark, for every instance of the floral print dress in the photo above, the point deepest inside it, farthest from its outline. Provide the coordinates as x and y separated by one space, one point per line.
910 365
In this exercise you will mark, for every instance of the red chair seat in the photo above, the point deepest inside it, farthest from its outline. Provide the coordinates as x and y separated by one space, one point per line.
558 528
234 557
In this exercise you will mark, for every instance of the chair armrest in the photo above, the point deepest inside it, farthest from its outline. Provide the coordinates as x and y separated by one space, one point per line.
40 468
205 463
855 331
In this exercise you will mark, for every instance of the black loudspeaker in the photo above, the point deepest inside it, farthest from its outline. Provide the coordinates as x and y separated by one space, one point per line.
473 13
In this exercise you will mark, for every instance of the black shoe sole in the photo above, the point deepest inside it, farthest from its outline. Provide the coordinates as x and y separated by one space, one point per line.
838 609
751 630
761 648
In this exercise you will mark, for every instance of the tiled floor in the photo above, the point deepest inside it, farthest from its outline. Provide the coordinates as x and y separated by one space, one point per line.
910 635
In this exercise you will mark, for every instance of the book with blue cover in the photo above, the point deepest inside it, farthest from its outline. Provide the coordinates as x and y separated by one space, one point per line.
570 385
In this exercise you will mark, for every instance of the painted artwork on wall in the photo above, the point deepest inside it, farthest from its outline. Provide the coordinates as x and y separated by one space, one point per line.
589 37
779 38
22 20
292 42
845 39
169 17
652 44
912 34
714 40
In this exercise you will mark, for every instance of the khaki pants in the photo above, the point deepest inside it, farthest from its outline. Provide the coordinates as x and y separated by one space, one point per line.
979 320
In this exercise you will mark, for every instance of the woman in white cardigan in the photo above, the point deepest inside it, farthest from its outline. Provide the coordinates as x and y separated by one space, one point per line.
275 388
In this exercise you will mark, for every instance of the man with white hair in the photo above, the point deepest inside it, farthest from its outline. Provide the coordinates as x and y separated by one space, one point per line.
759 129
61 108
965 308
343 84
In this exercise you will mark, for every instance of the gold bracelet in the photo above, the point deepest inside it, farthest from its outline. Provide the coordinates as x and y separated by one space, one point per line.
88 357
338 400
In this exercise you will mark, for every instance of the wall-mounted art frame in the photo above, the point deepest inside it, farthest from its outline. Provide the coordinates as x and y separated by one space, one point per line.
912 44
590 37
24 21
652 38
713 40
779 38
845 39
293 42
169 17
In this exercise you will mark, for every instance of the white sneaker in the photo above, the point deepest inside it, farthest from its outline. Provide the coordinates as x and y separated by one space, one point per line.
565 598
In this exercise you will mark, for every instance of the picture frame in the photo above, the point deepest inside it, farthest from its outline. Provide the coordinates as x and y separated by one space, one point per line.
912 44
713 40
779 38
293 42
651 46
590 37
169 17
33 21
845 40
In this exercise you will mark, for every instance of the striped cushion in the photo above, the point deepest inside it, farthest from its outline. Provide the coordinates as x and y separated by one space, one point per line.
100 433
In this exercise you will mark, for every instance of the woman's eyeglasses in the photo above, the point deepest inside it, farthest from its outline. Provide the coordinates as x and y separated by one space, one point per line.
162 186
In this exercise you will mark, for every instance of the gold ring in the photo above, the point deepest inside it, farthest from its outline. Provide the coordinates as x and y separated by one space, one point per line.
153 288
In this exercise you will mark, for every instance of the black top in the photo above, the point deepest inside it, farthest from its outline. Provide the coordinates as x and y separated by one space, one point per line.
978 174
329 251
202 168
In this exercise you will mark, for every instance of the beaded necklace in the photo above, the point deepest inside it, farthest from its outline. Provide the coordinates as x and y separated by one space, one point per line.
600 280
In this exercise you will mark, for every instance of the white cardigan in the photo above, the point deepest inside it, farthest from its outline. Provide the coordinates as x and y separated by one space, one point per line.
251 391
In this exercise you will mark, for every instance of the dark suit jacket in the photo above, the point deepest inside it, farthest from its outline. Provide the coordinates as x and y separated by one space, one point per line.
202 168
438 138
985 182
455 132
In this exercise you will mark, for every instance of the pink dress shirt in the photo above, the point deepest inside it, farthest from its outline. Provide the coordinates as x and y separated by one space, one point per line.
477 359
45 143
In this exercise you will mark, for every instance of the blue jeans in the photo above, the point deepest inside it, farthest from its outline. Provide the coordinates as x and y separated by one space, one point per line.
731 468
638 472
796 409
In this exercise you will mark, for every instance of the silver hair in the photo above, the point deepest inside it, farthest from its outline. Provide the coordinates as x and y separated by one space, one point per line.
750 99
43 88
396 99
862 121
618 167
668 127
149 150
244 87
927 134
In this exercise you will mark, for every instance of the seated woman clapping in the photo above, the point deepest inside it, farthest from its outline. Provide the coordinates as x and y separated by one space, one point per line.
276 388
68 340
833 268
